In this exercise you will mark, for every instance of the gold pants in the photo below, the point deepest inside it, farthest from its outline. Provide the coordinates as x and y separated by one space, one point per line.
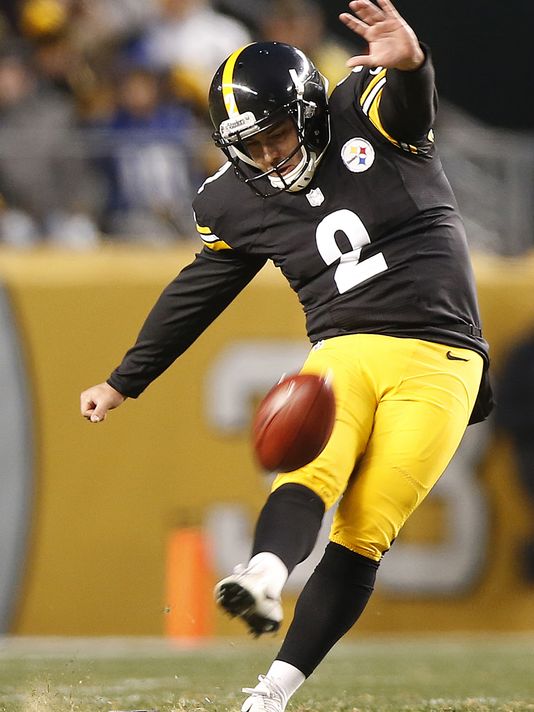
402 409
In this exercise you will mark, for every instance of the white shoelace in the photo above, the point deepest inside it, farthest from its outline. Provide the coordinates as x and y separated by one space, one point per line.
271 699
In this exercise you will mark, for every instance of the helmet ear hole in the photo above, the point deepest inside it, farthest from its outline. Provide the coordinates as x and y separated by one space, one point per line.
254 88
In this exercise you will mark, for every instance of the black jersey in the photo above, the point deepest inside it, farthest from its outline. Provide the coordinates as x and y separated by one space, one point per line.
374 245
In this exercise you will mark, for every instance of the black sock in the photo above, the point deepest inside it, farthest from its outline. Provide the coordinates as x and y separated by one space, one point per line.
289 523
329 605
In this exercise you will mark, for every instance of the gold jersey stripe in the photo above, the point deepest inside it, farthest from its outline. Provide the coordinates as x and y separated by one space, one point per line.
210 239
371 86
374 117
217 245
227 83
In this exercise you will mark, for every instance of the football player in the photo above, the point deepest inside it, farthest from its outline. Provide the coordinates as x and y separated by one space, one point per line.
347 196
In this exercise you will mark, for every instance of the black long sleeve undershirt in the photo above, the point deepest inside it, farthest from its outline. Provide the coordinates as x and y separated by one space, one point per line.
409 102
186 307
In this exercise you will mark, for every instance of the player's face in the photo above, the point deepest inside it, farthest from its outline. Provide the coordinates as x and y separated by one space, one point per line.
271 146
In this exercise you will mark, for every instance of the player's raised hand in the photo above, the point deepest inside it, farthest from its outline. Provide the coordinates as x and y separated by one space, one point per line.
96 401
392 42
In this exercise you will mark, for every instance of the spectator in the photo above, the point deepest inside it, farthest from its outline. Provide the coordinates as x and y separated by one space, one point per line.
47 188
150 167
192 39
43 18
250 13
91 26
9 15
76 44
301 23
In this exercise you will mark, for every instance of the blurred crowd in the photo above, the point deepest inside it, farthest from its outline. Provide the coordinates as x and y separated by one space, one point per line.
104 129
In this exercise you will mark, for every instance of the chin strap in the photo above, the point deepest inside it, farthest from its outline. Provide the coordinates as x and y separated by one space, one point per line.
291 181
304 180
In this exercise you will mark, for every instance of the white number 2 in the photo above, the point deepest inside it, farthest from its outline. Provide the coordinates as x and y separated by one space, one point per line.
350 270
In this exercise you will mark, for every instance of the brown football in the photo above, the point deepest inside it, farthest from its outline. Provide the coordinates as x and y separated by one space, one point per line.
293 422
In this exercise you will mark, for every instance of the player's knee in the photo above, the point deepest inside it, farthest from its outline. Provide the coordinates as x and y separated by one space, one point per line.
327 488
345 564
363 547
296 497
370 538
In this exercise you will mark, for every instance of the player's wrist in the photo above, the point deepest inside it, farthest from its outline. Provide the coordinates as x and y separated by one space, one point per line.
414 62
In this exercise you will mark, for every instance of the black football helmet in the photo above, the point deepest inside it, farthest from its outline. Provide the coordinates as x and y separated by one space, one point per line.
257 87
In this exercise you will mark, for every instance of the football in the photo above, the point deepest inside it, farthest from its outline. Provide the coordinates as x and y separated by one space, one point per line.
293 422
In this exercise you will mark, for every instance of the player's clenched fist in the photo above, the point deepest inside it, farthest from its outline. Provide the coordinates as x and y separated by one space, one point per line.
96 401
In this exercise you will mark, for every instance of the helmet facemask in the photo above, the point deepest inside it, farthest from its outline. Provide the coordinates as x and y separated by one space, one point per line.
234 145
305 105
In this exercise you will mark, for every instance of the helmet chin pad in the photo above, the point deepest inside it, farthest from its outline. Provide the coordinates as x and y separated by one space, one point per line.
298 178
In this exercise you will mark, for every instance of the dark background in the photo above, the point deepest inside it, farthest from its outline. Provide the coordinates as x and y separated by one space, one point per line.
483 51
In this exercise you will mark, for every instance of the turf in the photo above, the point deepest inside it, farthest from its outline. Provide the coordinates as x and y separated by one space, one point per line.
371 675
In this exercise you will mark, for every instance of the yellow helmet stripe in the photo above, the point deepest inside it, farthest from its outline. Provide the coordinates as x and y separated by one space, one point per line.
227 83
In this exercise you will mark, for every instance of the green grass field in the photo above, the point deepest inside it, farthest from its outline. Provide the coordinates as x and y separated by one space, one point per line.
371 675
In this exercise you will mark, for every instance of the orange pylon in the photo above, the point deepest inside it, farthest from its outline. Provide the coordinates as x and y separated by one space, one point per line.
189 584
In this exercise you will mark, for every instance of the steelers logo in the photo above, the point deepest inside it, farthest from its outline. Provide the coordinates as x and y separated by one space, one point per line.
358 155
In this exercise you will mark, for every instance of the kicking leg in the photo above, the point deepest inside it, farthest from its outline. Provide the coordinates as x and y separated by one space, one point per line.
285 535
403 460
289 523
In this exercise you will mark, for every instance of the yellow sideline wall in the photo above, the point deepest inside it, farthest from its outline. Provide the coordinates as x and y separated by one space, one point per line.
106 497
